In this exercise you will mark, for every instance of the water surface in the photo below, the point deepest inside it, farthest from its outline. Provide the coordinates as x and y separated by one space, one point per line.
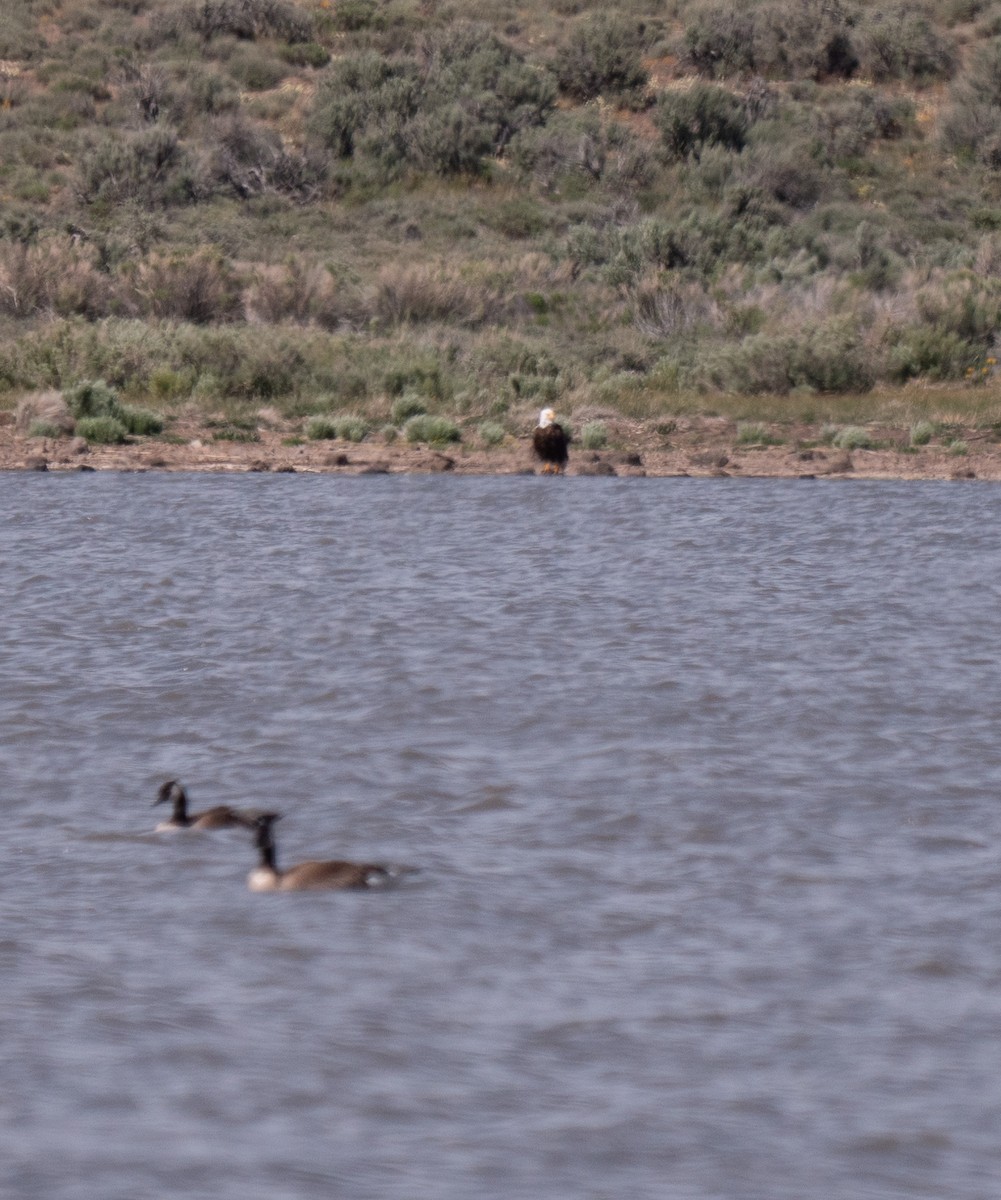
702 776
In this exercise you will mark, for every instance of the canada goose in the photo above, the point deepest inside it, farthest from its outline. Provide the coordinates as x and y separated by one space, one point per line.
266 876
221 817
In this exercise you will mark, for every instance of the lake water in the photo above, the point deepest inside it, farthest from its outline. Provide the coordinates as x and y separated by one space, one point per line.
703 776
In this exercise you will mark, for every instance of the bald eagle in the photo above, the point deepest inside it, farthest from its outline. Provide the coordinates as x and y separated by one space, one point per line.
550 442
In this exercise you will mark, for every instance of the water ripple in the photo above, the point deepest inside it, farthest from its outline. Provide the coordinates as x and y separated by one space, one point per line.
703 793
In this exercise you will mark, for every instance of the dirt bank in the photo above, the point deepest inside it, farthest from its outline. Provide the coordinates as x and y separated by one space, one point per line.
699 446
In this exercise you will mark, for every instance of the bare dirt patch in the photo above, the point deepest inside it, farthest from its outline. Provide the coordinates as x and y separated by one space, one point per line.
697 446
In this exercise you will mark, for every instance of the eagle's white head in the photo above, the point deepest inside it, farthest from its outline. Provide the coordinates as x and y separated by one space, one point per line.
546 417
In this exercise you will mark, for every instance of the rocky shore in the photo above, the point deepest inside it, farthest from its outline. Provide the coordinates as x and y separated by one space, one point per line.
696 446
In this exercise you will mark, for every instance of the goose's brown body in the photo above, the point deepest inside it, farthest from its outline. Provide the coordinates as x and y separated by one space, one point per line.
306 876
220 817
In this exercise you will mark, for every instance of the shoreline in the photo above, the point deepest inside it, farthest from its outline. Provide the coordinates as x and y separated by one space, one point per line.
697 446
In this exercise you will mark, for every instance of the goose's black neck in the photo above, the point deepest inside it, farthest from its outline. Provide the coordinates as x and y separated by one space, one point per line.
266 845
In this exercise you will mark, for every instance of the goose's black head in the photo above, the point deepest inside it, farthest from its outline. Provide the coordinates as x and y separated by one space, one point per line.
172 791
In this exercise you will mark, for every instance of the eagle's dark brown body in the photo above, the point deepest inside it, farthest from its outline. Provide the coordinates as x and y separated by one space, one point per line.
550 443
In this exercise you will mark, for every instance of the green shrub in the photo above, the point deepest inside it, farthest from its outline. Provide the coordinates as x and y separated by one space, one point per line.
703 115
44 429
719 40
405 407
352 428
958 447
442 112
805 39
93 398
256 70
923 351
249 159
811 39
105 430
750 433
603 56
922 433
971 124
786 173
141 422
166 383
831 358
321 429
246 19
579 150
305 54
900 42
148 168
594 435
834 357
349 428
206 92
236 432
492 434
427 428
853 437
351 15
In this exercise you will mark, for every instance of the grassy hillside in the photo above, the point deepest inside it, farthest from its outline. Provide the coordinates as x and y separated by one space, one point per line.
358 207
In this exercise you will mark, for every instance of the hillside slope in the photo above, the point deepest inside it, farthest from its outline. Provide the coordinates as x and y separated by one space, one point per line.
367 208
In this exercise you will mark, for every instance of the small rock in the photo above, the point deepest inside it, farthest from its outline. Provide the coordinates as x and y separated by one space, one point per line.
36 463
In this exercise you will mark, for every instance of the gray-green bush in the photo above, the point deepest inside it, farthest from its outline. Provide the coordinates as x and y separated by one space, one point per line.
321 428
105 430
442 110
405 407
93 398
853 437
594 435
602 56
922 433
700 116
433 429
